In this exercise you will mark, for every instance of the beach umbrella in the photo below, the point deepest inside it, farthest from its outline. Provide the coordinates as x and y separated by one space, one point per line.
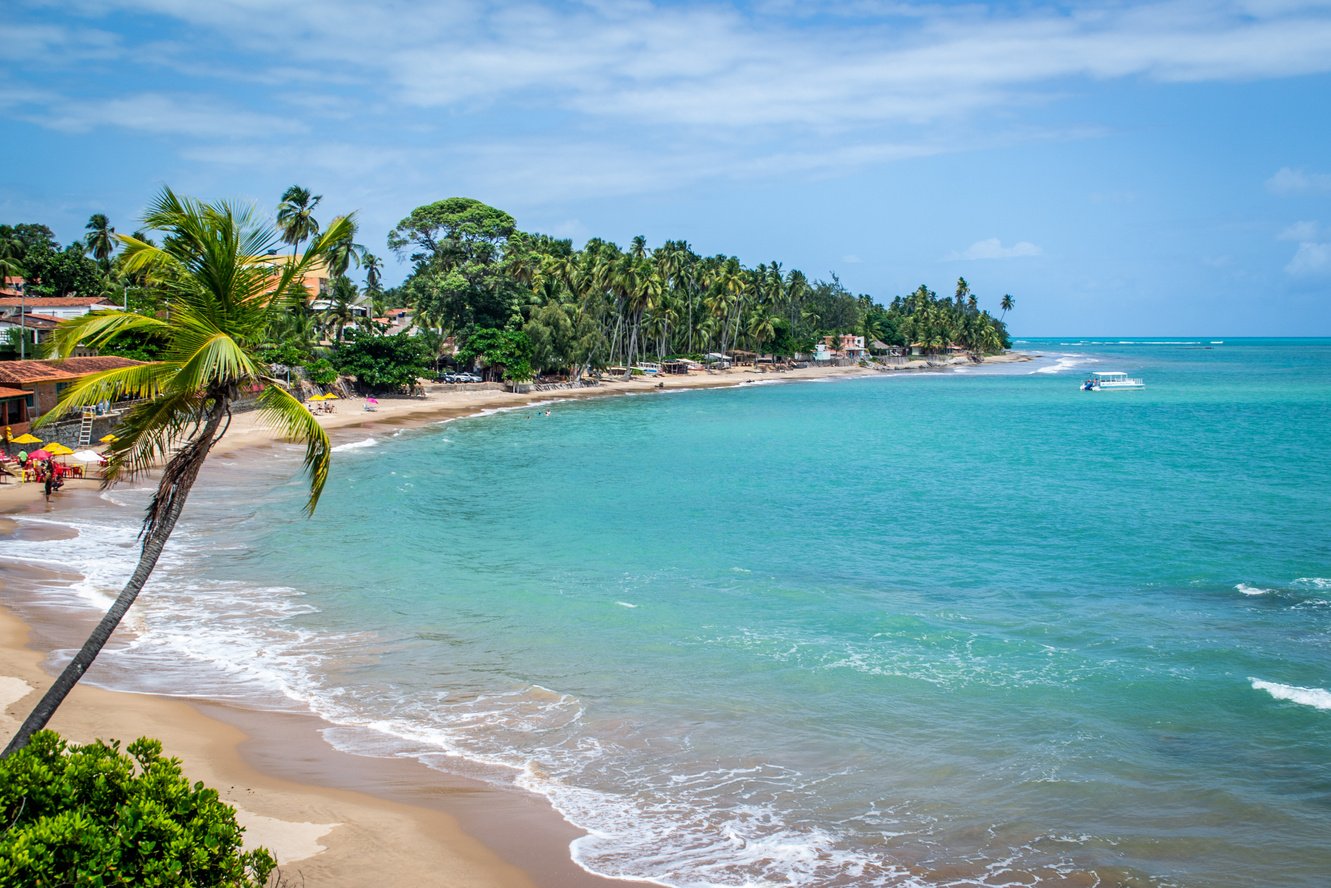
57 449
39 455
330 397
316 397
371 400
86 456
26 438
107 439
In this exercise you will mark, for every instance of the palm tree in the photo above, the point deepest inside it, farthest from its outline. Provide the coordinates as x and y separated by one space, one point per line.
11 255
295 216
100 240
374 267
1006 305
223 294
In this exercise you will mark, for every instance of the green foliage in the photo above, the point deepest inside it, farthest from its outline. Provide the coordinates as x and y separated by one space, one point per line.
139 345
321 372
287 353
383 363
93 816
508 349
458 246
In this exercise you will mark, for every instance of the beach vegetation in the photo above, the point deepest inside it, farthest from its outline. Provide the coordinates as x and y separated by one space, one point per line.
93 815
508 352
383 363
221 291
321 371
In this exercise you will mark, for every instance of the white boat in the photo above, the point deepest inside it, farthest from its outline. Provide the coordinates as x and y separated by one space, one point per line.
1110 381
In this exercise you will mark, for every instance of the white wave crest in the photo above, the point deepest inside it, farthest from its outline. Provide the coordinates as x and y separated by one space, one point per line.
1252 590
1066 362
1313 582
1318 698
357 445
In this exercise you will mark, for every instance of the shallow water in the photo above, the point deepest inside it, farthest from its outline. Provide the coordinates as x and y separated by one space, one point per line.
972 628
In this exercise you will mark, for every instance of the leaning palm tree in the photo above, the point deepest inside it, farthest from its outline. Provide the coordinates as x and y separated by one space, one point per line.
1006 305
216 273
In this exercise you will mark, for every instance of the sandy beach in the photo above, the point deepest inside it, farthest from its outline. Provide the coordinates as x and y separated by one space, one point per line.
330 818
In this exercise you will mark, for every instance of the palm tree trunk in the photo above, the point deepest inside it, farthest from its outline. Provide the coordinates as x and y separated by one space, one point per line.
177 481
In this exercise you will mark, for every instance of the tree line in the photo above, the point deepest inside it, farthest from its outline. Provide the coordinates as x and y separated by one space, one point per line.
522 303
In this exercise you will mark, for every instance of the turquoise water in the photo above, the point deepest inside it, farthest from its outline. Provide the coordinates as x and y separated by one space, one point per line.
974 628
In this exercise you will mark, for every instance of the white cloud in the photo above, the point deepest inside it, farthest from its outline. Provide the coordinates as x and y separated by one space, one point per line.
992 248
160 114
1292 181
1300 231
1310 260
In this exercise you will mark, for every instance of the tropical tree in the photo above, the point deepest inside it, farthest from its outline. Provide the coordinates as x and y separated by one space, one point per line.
11 257
295 216
223 291
100 239
1006 305
374 268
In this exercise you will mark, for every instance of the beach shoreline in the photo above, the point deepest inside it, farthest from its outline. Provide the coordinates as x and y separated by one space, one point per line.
330 817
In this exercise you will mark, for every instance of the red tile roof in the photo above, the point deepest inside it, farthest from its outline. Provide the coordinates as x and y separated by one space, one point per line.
40 302
29 372
13 393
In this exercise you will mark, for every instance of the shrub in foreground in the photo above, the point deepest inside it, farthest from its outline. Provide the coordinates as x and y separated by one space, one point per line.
92 815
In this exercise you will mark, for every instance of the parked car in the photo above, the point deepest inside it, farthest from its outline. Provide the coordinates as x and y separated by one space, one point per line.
458 377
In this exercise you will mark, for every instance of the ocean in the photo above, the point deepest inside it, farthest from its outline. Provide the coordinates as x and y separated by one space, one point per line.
950 629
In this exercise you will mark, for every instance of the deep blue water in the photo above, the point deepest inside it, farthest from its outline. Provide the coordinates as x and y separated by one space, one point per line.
974 628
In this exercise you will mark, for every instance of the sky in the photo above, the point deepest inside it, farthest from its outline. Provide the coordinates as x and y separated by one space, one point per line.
1119 168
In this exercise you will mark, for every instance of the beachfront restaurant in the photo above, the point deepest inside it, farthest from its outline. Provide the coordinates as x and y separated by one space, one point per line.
32 388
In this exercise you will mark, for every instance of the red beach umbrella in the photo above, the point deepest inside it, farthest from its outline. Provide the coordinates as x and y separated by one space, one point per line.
40 455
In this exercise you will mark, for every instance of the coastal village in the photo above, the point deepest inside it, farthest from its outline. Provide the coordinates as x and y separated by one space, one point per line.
123 360
664 317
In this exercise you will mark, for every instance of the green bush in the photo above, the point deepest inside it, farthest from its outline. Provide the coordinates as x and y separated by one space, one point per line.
321 372
93 816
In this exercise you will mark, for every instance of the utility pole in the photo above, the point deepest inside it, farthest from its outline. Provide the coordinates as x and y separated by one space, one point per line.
23 321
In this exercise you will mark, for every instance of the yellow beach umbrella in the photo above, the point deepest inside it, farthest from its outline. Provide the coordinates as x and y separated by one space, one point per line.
330 397
107 439
55 448
26 438
316 397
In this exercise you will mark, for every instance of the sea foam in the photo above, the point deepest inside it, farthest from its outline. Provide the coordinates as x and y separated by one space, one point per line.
1318 698
357 445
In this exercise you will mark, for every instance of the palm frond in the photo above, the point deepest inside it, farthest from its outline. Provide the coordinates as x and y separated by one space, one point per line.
140 381
279 410
218 362
96 328
150 431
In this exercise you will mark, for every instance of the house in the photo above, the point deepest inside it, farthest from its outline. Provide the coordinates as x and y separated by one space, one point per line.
318 281
29 389
844 346
58 307
40 326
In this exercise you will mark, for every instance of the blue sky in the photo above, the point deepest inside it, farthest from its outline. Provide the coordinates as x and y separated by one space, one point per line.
1120 168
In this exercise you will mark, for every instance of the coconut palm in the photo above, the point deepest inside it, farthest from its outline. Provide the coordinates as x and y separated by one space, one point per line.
1006 305
223 291
374 268
295 216
11 256
100 240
